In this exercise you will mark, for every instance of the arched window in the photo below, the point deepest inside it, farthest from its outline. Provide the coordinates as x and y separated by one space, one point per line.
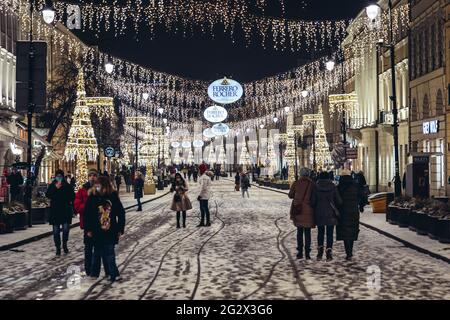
439 103
414 110
425 108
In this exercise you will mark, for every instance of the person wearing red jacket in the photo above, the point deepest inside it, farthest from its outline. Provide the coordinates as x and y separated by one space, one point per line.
79 204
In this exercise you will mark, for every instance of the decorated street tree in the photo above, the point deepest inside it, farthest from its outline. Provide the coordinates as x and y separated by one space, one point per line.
81 142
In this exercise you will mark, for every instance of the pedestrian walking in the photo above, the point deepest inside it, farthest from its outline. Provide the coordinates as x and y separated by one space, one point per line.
190 171
118 180
237 181
205 193
347 229
302 213
104 224
127 178
79 204
195 173
217 172
139 189
245 185
61 197
361 180
15 181
325 201
181 202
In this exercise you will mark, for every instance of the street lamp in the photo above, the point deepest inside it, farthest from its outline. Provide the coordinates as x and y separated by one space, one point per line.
275 119
287 109
109 67
373 11
48 12
305 93
165 121
261 126
160 110
330 65
145 96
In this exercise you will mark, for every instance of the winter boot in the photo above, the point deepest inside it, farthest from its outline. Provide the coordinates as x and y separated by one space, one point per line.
66 250
329 254
320 253
58 251
307 254
300 253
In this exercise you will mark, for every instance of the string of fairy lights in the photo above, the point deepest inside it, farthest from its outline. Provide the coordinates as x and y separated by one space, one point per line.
183 99
192 16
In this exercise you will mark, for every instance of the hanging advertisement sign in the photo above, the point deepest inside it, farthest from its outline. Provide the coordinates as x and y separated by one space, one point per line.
186 144
215 114
225 91
220 129
175 144
110 152
198 143
208 133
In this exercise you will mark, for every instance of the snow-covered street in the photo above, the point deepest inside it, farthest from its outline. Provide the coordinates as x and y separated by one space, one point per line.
247 253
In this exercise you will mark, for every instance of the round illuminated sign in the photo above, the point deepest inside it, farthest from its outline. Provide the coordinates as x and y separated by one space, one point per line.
198 143
175 144
208 133
225 91
110 152
220 129
186 144
215 114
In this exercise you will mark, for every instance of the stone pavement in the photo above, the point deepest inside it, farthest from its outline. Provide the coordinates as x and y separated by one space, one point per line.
409 238
247 253
38 231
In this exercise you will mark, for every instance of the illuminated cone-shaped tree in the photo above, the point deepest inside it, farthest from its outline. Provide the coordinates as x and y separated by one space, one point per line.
222 157
323 154
244 159
271 158
81 141
212 155
148 152
190 158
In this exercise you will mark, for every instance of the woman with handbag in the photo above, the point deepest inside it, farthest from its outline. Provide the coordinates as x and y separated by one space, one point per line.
181 202
302 214
325 201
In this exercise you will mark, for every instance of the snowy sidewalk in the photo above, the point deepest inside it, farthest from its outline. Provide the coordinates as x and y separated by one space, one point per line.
17 238
411 239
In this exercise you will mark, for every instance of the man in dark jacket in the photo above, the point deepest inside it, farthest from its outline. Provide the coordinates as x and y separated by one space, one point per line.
104 225
139 189
15 180
79 205
348 227
325 200
61 197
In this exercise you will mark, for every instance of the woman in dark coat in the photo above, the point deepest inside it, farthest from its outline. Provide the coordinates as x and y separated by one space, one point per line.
325 201
104 222
302 214
180 202
61 197
139 189
348 226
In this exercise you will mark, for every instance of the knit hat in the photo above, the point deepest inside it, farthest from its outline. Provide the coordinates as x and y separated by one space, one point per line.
304 172
92 171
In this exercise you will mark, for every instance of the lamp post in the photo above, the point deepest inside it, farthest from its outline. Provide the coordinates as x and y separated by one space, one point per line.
373 11
48 14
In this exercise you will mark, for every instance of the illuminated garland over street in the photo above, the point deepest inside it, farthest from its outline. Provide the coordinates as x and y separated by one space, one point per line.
189 16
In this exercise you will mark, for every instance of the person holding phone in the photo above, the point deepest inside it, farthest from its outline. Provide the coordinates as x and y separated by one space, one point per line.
61 197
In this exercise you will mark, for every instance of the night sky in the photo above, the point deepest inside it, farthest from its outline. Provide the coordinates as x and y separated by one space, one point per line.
201 57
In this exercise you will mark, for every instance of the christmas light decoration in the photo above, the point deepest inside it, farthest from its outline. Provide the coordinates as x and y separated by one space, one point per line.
347 102
81 142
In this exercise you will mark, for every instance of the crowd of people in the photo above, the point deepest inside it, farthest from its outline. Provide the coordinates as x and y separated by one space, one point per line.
317 201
